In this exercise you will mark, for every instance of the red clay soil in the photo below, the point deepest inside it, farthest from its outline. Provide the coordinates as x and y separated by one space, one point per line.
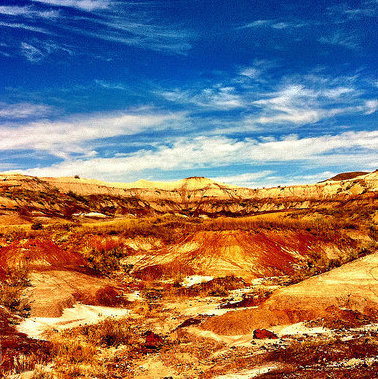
39 253
152 340
248 254
107 296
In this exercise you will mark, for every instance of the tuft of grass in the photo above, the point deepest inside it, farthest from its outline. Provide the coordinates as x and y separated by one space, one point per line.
12 290
110 332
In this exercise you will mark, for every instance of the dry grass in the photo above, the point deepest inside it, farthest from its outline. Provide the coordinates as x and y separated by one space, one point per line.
215 287
12 290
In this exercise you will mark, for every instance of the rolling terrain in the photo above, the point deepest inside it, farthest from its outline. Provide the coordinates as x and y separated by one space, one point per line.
23 196
180 279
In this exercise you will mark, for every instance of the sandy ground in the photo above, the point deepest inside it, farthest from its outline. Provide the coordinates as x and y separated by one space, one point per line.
54 290
79 314
249 373
195 279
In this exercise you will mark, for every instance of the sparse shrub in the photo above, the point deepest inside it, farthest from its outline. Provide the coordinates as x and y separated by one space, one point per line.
41 372
74 351
110 332
12 290
103 256
37 226
214 287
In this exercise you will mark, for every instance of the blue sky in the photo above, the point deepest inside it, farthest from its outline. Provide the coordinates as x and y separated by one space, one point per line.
254 93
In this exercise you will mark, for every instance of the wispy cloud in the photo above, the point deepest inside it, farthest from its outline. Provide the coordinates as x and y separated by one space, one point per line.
292 101
25 27
125 23
351 148
349 41
23 111
87 5
28 12
274 24
298 105
38 50
32 53
108 85
345 11
63 137
218 97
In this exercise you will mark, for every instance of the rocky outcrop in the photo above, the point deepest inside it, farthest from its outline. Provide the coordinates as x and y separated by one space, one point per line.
28 196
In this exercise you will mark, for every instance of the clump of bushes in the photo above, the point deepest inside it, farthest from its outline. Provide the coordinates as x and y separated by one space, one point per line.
110 332
103 257
37 226
12 290
215 287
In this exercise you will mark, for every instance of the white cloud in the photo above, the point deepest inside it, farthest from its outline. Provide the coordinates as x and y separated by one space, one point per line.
345 150
275 24
109 85
127 23
25 27
32 53
250 72
367 9
299 105
27 12
371 106
39 50
218 97
71 135
87 5
23 110
349 41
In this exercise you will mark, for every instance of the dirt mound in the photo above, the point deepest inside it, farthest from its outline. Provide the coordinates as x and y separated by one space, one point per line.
54 290
348 175
353 286
246 254
39 253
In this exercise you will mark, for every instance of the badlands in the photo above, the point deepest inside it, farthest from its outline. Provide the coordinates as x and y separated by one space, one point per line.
188 279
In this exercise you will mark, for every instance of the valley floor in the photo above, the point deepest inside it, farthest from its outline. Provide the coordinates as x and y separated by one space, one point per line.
171 297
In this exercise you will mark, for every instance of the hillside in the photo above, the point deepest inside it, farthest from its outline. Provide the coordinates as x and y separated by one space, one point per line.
353 286
348 175
178 277
22 197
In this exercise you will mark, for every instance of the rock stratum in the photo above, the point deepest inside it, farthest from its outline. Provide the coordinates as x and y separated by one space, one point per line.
25 196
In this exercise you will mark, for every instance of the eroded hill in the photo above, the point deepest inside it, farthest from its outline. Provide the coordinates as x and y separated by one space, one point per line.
177 279
24 197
